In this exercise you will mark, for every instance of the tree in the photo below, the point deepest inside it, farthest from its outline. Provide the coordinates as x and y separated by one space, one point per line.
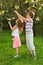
7 10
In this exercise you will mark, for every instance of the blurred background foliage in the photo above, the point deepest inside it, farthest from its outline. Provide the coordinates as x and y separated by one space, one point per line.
7 8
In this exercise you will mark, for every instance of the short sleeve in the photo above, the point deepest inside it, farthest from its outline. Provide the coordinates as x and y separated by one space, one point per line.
30 20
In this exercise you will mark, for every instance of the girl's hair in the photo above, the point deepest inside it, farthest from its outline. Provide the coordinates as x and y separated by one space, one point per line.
20 25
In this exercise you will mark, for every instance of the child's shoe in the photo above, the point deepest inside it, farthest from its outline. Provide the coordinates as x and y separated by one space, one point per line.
35 57
16 56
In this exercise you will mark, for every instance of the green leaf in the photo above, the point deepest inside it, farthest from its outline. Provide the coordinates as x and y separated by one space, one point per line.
26 1
16 7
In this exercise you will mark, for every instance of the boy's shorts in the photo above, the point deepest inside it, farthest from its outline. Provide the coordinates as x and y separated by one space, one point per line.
29 42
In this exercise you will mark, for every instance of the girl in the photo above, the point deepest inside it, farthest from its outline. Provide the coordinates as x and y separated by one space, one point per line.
29 31
15 33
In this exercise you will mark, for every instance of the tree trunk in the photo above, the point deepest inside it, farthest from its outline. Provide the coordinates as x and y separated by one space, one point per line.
35 8
1 26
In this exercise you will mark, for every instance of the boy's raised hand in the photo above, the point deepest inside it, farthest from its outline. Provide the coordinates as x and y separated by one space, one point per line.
9 22
15 11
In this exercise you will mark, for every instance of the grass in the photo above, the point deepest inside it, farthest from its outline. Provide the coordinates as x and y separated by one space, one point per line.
7 52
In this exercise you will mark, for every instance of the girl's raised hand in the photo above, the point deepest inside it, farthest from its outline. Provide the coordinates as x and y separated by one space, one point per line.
17 20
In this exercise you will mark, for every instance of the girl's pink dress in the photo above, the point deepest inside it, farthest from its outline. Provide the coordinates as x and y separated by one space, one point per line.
16 39
16 42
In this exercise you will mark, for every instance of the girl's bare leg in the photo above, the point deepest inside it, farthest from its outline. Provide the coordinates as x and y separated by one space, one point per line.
16 51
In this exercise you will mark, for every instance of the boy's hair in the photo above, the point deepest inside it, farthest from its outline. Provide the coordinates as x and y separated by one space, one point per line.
31 14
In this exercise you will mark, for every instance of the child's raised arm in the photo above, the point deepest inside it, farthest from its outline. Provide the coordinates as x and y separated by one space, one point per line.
18 20
12 28
20 17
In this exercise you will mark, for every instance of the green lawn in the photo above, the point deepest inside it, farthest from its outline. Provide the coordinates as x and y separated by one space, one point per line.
7 52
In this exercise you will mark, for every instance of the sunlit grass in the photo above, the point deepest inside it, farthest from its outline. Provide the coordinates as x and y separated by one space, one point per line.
7 52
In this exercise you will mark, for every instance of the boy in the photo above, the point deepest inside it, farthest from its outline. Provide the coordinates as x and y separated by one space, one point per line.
29 31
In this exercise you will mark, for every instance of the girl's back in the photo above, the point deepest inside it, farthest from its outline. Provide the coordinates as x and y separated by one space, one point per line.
15 32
